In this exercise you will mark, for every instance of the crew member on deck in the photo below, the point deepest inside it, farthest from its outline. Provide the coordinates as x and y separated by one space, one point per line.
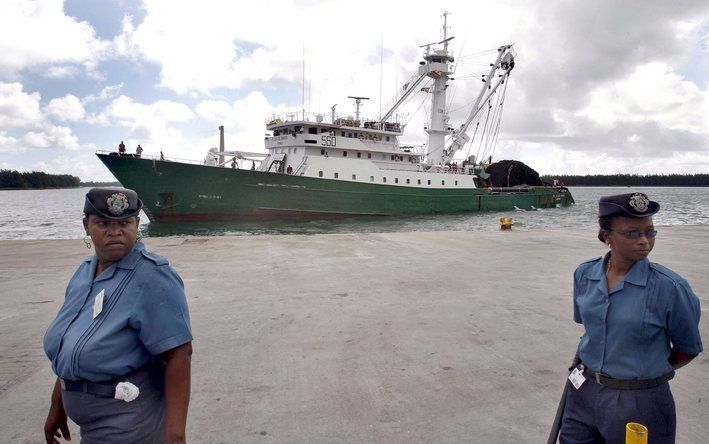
121 148
289 170
138 151
641 323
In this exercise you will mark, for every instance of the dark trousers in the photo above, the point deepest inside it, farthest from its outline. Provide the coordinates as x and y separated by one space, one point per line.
597 415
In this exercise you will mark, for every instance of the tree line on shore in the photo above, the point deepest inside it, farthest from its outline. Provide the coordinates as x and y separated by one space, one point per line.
36 180
638 180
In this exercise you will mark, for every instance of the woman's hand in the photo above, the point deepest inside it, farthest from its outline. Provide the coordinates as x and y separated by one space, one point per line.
679 359
56 424
177 391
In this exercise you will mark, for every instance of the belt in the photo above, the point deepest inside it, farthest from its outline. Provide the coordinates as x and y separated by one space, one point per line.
106 389
628 384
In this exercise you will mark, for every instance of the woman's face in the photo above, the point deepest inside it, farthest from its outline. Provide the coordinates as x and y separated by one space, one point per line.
620 237
112 239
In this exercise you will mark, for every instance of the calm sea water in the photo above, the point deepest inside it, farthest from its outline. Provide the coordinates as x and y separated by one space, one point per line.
56 214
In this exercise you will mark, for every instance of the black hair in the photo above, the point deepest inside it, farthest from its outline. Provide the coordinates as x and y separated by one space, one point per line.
605 223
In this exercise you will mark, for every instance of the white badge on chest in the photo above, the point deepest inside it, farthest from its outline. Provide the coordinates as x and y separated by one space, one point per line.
98 303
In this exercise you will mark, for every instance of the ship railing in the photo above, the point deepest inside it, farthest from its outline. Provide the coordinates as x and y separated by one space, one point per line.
152 157
300 169
349 121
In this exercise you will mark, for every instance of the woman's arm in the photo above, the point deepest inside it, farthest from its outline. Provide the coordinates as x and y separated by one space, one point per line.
56 426
177 391
679 359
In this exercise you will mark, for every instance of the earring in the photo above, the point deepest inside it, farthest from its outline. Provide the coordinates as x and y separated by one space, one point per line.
87 241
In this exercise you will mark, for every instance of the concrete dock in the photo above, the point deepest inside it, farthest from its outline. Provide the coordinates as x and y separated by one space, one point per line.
447 337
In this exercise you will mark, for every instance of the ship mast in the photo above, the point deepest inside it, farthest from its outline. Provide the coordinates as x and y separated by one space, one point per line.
438 68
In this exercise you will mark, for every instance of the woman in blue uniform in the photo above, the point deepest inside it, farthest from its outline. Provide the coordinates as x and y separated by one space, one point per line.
121 343
641 323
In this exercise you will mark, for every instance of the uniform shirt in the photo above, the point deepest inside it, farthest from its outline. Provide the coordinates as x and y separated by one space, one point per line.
630 331
144 314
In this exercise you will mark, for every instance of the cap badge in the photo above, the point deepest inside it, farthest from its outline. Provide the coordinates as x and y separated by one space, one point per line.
117 203
639 202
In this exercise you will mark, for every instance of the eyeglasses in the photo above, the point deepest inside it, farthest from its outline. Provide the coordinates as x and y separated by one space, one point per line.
635 234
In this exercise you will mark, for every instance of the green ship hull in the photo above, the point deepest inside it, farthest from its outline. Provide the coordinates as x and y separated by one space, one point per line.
176 191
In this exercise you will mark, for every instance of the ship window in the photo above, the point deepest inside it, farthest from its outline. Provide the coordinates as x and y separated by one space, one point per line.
312 130
443 182
355 134
411 159
369 155
396 180
408 181
371 178
419 181
354 177
295 150
392 157
337 175
275 133
322 152
456 183
384 179
387 138
349 134
343 134
429 181
323 130
319 173
344 154
359 155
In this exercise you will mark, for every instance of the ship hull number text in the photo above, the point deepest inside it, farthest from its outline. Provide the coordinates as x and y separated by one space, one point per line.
329 140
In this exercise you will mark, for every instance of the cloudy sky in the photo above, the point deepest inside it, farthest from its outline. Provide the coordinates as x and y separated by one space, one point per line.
600 86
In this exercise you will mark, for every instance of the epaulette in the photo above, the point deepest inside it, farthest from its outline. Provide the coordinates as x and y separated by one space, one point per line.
156 258
674 277
588 261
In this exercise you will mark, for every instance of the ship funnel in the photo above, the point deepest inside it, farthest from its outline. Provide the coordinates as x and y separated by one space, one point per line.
221 144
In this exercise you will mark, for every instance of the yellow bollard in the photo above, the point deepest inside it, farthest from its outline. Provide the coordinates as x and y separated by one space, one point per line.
505 224
635 433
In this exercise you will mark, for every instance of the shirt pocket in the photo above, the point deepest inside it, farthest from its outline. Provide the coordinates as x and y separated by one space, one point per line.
653 318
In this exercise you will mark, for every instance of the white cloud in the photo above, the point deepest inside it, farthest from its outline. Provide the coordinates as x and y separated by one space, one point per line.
8 144
148 124
107 93
51 137
34 33
653 92
18 108
65 109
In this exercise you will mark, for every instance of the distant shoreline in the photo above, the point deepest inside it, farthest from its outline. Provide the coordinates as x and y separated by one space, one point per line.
629 180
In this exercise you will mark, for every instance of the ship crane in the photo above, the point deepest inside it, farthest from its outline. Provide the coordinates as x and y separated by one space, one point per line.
504 63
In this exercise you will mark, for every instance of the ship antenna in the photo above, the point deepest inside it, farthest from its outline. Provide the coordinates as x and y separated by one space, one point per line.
302 91
445 30
358 102
381 67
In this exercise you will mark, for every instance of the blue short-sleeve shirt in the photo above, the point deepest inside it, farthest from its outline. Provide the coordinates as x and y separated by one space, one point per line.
144 313
631 329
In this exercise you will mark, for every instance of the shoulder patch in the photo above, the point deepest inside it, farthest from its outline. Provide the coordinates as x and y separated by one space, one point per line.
156 258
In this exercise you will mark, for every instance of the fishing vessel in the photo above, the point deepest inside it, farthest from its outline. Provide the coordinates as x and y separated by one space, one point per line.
327 165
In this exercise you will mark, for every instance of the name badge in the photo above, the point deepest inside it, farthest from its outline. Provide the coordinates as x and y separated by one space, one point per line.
577 379
98 304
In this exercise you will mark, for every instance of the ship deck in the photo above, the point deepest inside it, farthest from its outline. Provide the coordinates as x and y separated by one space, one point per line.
445 337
